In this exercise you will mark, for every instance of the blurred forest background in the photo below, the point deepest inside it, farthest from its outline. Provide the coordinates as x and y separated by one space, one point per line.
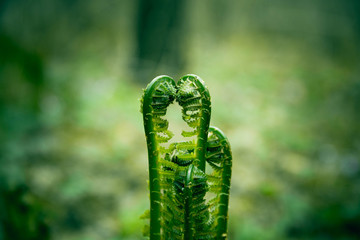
284 77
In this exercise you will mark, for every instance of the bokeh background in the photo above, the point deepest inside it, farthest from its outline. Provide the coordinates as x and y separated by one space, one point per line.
284 77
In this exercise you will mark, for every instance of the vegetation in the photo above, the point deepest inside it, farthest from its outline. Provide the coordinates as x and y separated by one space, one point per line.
178 181
285 88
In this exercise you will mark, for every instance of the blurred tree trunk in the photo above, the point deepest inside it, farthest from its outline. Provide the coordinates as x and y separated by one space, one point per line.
159 38
219 17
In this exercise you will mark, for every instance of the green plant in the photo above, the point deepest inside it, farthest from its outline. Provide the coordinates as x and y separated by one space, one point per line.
179 207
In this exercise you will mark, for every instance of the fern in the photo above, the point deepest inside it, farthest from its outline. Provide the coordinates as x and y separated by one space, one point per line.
178 182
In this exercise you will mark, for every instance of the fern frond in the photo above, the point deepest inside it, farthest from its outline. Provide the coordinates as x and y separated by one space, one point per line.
188 145
189 133
194 98
158 95
178 183
219 158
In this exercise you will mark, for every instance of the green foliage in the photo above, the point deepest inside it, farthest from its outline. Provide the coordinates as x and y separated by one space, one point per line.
21 215
178 182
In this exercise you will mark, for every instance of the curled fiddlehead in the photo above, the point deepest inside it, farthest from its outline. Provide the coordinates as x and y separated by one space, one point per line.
194 98
218 156
178 183
158 95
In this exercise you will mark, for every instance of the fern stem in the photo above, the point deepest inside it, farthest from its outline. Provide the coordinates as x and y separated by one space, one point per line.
222 216
149 113
202 130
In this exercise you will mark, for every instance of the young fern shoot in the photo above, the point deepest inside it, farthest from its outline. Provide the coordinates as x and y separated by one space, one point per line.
177 179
